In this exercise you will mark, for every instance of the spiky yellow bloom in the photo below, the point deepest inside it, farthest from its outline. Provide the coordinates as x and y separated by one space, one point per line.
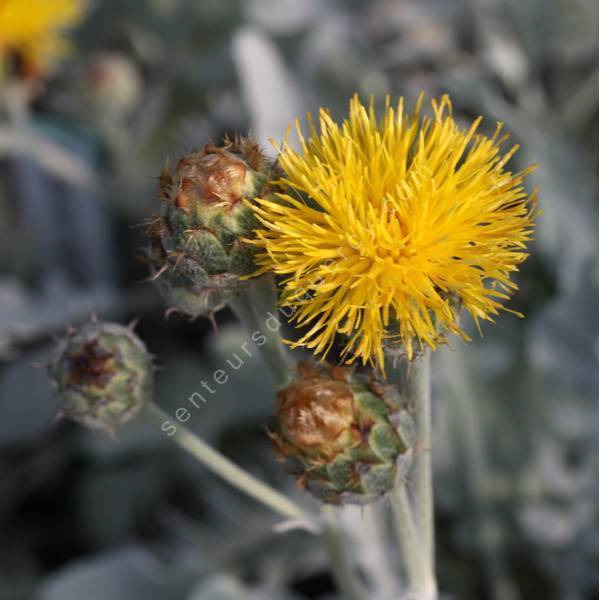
33 30
386 228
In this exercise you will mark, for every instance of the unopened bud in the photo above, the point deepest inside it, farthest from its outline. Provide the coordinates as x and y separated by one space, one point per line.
345 436
103 375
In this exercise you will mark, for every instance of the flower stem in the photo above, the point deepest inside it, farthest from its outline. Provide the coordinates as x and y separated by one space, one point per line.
229 471
418 572
256 310
377 561
343 573
413 513
418 391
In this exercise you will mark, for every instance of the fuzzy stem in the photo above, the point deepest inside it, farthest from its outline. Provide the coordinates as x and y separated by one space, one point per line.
378 562
417 570
418 391
229 471
343 573
414 515
256 310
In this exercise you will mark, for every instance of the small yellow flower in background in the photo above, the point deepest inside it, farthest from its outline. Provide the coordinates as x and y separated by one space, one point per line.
386 228
33 31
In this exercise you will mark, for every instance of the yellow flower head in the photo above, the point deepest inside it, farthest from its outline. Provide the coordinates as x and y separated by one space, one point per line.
387 227
33 31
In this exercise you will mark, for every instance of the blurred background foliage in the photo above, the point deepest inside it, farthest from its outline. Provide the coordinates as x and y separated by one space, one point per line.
516 414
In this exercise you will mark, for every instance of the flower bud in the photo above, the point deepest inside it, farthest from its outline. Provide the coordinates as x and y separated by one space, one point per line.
198 256
111 85
103 375
345 436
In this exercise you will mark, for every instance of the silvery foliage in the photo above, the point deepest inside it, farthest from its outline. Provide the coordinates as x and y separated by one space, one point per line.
515 412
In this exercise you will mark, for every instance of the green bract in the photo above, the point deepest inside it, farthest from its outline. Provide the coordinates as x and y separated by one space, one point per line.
103 375
197 253
345 436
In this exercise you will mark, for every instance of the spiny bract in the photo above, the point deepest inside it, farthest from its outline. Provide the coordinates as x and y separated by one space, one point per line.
388 227
197 253
346 437
103 375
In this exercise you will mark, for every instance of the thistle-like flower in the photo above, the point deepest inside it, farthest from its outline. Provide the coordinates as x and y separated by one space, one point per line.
197 254
103 375
346 437
389 227
32 33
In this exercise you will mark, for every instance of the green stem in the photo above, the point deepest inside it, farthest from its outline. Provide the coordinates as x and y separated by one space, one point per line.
380 564
229 471
418 571
257 311
418 392
414 516
343 573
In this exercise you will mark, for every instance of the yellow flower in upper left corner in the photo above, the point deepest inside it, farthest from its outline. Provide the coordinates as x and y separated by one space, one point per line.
33 31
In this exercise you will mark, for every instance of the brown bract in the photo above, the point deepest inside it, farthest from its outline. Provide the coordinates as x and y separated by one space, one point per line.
317 412
90 366
213 175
